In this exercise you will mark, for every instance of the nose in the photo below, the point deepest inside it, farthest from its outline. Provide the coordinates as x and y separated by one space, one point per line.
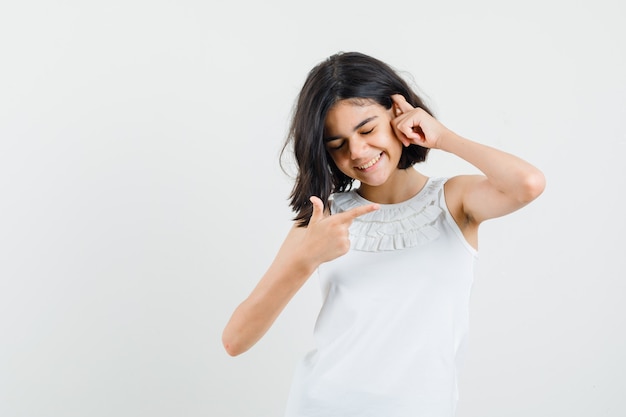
358 147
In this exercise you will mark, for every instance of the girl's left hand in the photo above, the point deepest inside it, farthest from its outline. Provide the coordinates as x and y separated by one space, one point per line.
415 126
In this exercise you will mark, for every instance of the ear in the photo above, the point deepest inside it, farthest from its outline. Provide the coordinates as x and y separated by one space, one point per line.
395 110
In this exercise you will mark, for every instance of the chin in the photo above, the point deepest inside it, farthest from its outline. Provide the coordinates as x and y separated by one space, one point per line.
373 182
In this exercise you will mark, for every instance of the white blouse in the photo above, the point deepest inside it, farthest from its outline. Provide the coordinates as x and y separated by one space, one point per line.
392 328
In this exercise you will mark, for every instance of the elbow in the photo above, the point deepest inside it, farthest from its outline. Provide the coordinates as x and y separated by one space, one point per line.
533 185
231 346
231 350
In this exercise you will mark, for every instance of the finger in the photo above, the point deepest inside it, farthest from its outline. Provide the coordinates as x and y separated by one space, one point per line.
402 137
318 209
409 130
399 133
358 211
401 103
403 127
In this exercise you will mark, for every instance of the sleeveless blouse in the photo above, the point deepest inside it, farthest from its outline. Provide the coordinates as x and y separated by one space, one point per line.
391 332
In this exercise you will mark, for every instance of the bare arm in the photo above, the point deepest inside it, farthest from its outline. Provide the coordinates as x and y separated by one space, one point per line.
509 182
255 315
304 249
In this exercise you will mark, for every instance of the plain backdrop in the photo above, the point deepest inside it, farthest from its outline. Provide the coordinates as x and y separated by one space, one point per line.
141 197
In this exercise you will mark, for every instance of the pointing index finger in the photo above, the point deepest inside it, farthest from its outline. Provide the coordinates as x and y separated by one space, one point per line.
358 211
401 102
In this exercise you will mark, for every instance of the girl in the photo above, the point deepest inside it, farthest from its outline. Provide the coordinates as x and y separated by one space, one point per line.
394 255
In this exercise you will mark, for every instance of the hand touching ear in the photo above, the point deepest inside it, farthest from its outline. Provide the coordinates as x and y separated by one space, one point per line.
327 235
414 125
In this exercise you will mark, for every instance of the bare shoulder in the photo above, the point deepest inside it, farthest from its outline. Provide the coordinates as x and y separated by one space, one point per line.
455 189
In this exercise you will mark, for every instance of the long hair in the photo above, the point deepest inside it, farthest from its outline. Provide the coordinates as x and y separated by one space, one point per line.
345 75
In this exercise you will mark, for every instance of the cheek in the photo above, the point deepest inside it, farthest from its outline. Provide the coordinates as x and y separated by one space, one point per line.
336 159
337 156
389 133
391 141
344 164
394 147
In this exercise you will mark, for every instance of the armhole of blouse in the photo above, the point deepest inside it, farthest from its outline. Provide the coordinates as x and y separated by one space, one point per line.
450 219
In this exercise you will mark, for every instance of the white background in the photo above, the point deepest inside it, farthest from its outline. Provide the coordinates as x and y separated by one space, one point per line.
141 197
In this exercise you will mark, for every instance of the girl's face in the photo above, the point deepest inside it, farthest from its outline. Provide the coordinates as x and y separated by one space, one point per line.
361 141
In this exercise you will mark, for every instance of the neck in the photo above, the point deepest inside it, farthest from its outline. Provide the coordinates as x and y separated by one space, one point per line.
405 184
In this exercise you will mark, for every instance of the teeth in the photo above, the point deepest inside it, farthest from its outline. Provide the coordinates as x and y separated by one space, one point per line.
370 163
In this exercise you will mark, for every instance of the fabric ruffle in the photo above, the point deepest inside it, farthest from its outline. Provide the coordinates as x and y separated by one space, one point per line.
393 226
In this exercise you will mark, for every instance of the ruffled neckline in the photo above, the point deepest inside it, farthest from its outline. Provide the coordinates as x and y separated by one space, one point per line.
393 226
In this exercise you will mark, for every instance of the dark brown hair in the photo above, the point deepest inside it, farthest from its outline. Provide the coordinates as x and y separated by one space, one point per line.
345 75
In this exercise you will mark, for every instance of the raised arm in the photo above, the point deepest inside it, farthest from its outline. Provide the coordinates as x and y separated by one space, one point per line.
508 184
304 249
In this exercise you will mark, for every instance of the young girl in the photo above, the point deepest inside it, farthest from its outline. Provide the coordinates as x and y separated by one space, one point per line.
395 256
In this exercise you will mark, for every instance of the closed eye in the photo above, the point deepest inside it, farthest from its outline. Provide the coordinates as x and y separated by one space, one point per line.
334 145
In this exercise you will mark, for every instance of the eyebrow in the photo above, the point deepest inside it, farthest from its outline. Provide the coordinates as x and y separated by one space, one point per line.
354 129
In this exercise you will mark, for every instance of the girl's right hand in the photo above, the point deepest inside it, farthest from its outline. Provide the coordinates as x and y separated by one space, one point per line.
326 236
304 249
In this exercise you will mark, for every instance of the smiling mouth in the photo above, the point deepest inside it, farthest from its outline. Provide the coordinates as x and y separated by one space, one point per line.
370 163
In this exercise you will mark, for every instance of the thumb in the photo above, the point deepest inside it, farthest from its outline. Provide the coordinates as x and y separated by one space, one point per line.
318 209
